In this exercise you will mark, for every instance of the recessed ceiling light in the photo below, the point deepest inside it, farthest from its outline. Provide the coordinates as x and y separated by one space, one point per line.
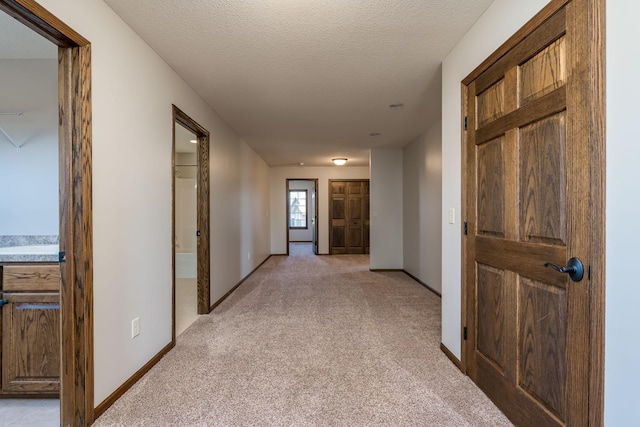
397 106
301 164
194 141
374 134
339 161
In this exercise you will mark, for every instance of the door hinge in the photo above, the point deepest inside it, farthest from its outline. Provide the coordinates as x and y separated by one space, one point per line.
465 228
465 122
464 333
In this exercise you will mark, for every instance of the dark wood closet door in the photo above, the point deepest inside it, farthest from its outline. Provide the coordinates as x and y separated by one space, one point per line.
349 217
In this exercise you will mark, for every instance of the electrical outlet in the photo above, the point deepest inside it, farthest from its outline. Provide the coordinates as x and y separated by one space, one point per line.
248 255
452 215
135 327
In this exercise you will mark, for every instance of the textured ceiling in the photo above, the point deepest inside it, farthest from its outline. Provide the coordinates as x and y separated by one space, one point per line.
302 80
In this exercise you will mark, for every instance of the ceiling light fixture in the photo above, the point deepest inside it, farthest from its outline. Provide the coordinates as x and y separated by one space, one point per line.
374 134
339 161
194 141
397 106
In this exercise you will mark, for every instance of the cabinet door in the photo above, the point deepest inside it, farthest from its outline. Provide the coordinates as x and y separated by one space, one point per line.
31 343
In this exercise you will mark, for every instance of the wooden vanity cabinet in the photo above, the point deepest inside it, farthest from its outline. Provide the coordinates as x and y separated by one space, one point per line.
30 330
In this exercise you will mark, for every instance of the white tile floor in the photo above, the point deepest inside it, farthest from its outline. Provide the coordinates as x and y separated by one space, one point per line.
29 412
186 303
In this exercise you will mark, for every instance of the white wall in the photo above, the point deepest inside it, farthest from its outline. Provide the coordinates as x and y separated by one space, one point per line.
386 233
622 349
132 94
501 20
278 179
422 207
307 234
29 196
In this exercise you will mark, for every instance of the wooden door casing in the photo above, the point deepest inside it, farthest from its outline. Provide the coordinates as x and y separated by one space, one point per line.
75 141
532 195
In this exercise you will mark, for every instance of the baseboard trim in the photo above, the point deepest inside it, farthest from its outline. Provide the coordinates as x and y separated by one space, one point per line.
451 357
422 283
117 394
384 270
225 296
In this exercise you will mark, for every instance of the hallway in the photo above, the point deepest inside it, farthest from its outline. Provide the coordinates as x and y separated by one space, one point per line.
310 340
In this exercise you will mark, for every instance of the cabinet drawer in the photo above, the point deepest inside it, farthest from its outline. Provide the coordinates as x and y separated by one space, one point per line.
35 277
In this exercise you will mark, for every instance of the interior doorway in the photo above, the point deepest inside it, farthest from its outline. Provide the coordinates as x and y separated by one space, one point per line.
190 221
302 212
75 208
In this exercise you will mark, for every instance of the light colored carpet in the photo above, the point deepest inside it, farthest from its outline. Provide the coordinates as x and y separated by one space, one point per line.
311 341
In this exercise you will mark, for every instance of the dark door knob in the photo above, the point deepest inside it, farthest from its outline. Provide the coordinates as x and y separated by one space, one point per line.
574 269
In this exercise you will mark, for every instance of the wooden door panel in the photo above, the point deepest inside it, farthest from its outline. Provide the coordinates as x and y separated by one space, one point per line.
490 104
338 239
542 320
338 188
355 208
544 72
543 181
338 209
491 314
354 188
355 238
31 343
491 188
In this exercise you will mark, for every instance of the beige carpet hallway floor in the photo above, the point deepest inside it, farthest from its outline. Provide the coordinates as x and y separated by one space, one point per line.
311 341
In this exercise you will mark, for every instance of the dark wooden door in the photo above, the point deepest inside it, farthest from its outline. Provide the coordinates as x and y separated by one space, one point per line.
527 204
349 220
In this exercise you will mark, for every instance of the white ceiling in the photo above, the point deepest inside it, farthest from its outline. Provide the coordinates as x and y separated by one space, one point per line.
307 80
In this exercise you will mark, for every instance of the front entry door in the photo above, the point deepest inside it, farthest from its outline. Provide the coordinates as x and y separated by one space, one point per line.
529 201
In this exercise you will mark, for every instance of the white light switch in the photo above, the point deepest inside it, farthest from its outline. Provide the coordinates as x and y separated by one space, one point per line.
135 327
452 215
